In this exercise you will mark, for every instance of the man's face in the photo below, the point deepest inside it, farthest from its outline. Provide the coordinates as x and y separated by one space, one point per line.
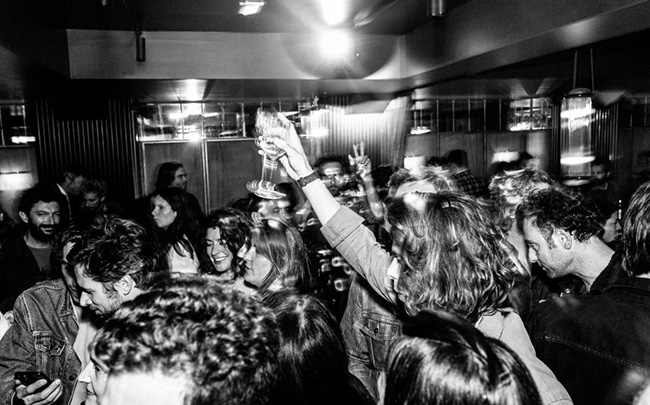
267 208
68 274
91 200
145 388
284 210
180 179
76 184
599 173
95 296
277 209
43 220
332 176
551 258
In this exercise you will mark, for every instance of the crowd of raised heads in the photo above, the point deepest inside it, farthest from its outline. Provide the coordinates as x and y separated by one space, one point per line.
360 285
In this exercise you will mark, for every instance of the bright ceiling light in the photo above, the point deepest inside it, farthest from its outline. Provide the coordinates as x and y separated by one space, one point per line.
334 12
250 7
191 90
335 44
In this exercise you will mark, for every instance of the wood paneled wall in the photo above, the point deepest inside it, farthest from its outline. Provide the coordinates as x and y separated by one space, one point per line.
102 141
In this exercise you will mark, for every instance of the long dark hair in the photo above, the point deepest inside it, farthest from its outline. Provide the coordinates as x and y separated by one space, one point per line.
183 234
444 360
313 364
166 174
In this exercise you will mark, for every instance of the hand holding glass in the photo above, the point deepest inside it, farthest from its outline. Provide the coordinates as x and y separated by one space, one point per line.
268 125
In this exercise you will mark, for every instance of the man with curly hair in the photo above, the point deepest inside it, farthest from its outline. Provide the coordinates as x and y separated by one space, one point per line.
597 345
115 263
186 342
563 233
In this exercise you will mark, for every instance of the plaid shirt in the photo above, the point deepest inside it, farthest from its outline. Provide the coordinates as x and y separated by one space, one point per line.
469 183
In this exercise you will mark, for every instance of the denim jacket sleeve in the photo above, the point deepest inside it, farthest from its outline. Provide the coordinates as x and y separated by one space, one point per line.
16 352
41 338
346 233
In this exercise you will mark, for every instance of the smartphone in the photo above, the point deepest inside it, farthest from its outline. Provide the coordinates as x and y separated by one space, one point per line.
30 377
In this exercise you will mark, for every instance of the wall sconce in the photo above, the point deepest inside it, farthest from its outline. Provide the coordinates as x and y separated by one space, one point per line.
140 46
419 129
414 162
16 180
250 7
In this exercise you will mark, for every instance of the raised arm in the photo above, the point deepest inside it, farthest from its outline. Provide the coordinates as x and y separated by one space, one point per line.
363 167
342 228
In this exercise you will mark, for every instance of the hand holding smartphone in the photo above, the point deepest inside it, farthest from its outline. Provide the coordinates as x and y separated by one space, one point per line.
34 387
30 377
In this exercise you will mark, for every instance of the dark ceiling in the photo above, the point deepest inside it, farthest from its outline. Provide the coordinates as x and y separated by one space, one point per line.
34 63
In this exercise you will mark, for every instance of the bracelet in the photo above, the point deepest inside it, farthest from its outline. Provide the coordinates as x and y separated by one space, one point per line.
303 181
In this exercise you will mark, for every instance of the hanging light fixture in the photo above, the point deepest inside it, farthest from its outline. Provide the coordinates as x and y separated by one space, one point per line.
575 130
436 8
140 46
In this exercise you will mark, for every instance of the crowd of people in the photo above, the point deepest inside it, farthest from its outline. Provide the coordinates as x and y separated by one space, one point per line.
360 286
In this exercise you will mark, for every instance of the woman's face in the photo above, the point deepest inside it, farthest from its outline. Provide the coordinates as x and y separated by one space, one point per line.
217 250
162 213
257 266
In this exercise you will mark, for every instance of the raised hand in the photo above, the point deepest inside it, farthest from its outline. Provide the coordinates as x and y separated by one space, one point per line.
360 161
295 160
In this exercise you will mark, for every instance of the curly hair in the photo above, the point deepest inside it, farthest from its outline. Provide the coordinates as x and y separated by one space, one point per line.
222 344
453 255
40 192
74 233
119 248
98 186
553 208
508 190
283 246
443 360
636 233
235 228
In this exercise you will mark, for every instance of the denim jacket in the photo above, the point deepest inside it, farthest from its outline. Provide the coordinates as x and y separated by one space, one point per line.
41 339
369 327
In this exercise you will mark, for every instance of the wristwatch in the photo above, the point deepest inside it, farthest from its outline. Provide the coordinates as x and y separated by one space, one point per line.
303 181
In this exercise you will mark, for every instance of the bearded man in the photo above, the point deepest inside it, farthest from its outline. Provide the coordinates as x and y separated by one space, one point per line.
25 257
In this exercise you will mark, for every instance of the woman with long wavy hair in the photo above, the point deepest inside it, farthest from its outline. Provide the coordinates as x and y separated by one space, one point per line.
176 229
276 258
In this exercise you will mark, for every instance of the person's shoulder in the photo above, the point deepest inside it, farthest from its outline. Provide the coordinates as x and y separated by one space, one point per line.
558 312
53 287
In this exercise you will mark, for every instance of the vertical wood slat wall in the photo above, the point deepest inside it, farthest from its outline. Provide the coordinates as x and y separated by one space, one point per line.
372 129
105 146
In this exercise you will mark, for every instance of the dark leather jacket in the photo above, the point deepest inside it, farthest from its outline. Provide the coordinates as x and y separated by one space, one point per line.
597 345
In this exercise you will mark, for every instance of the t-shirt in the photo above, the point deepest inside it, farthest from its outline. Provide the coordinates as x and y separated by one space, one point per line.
42 257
